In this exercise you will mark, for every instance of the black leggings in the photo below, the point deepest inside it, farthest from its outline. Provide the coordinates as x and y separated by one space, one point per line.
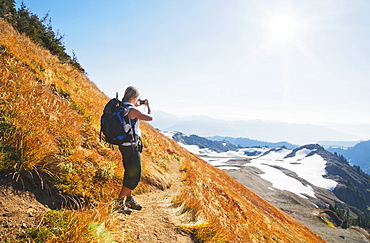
132 163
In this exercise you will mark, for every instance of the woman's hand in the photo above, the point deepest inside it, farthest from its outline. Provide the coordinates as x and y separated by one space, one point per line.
144 102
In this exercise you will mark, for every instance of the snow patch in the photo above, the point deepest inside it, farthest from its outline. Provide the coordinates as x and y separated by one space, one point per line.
311 168
168 134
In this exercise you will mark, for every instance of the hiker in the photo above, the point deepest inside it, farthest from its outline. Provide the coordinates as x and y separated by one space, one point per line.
131 151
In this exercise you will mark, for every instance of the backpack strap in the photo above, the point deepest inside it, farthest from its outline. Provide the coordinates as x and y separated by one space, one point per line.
134 141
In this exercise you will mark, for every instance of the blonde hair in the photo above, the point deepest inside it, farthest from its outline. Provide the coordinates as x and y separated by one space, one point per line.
130 93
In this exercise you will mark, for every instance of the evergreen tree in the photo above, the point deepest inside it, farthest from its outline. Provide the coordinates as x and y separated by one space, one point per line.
7 10
35 28
38 30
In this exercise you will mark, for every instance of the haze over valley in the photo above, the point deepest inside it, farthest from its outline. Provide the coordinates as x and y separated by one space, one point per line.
296 133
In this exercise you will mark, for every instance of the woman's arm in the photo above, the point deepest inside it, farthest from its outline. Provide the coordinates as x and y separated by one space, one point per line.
134 113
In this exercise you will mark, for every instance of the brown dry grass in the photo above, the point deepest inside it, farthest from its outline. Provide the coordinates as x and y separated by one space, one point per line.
50 135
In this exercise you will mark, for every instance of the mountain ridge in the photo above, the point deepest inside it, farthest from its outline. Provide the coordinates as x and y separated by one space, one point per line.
246 142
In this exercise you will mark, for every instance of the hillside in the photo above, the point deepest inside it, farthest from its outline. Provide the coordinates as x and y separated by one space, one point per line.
50 151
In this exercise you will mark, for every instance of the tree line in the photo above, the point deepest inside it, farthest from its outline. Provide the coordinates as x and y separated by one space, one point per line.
37 29
363 217
362 220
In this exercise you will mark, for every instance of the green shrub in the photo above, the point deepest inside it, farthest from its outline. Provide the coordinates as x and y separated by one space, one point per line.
53 224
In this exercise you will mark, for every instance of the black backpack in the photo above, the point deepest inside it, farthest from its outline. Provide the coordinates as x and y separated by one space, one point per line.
115 123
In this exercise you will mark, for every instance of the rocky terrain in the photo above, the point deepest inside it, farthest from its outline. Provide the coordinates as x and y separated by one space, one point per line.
301 209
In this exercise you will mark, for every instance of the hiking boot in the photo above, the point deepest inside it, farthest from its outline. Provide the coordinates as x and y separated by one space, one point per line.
124 209
121 207
131 203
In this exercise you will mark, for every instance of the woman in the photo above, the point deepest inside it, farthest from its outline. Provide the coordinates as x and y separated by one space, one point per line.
131 152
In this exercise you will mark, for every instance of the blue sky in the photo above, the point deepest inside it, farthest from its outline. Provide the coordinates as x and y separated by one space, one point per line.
292 61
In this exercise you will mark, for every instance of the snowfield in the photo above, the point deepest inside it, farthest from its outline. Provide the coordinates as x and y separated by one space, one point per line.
310 168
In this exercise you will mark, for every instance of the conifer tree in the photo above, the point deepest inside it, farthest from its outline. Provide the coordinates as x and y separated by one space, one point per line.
7 10
38 30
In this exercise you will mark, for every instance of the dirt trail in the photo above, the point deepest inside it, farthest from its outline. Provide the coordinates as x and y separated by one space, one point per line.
18 211
153 222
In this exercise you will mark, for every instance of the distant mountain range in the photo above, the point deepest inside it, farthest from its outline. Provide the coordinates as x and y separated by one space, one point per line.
218 146
358 155
299 134
246 142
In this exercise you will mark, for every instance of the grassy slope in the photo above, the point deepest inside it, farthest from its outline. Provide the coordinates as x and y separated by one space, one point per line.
50 129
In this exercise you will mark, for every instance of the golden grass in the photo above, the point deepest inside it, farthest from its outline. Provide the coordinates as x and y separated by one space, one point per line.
50 135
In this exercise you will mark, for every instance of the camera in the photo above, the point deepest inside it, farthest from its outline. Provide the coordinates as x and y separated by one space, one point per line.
142 102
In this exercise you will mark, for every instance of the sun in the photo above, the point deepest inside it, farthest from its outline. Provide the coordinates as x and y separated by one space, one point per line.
283 28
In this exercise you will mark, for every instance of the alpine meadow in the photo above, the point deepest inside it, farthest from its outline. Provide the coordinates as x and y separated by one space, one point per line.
51 155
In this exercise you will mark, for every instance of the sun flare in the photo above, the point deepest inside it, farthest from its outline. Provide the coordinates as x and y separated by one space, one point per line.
283 28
